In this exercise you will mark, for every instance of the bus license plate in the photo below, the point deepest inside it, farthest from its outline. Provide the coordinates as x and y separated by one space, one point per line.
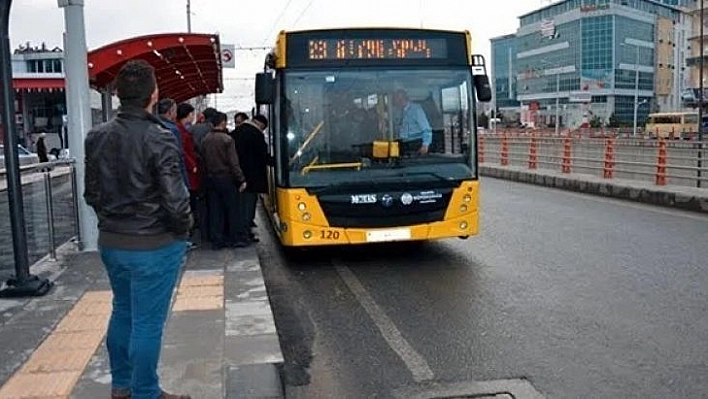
388 235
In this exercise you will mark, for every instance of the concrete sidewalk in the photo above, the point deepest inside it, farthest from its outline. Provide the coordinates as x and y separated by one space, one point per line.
686 198
220 340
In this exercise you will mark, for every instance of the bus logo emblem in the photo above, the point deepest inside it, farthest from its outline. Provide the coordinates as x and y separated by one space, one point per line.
364 199
406 199
386 201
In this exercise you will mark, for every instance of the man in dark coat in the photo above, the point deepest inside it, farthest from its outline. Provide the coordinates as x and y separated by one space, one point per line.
254 159
42 148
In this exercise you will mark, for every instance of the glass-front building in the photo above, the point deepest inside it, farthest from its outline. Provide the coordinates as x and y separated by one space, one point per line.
504 73
592 57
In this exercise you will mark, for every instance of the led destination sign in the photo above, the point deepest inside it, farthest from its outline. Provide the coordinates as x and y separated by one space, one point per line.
376 49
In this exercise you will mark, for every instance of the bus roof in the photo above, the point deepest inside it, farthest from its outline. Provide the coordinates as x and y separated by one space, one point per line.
369 28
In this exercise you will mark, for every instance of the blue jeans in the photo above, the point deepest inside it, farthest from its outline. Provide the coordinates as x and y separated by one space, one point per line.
142 284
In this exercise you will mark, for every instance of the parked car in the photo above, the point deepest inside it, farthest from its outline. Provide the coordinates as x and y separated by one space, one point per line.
26 156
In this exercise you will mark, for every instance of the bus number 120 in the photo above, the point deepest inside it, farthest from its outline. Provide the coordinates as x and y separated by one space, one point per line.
329 235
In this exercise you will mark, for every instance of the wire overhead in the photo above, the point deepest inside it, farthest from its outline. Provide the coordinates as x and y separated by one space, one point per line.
277 21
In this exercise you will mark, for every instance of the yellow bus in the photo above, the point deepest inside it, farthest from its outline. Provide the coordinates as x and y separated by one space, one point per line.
373 133
672 124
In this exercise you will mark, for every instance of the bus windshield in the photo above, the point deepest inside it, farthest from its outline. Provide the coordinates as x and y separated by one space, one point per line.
334 117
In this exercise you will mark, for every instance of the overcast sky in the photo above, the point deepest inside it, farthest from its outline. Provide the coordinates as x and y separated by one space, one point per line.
256 23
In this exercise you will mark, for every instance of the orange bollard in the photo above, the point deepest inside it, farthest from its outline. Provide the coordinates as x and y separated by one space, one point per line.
481 149
533 153
661 164
609 169
567 154
505 151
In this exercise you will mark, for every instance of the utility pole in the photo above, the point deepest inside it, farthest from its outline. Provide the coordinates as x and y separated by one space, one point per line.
558 86
23 284
189 16
636 92
79 111
700 103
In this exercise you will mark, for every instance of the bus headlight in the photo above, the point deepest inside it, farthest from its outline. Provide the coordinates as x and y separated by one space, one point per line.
307 234
467 198
301 206
463 225
306 217
463 208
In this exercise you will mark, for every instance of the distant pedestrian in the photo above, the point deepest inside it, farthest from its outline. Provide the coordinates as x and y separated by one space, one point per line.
42 148
134 183
225 183
203 127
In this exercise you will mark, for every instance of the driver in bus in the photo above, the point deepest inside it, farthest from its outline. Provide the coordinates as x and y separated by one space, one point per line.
413 126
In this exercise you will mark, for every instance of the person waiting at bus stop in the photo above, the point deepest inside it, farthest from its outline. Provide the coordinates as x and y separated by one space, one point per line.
185 116
413 127
253 155
225 182
134 184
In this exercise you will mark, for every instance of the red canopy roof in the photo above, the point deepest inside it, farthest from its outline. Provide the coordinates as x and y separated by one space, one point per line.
38 83
186 64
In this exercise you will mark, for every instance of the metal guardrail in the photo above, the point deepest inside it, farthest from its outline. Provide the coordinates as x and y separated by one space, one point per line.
46 169
674 162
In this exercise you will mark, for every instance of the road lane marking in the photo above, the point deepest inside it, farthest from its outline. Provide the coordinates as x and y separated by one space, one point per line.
413 360
614 201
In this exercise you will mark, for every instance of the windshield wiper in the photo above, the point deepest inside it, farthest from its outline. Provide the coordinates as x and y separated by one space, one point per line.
433 174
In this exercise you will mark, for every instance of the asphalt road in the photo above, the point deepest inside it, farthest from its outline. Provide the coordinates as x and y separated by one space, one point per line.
580 295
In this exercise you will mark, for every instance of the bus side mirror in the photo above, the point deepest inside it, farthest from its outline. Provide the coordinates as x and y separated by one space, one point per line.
483 88
481 79
265 88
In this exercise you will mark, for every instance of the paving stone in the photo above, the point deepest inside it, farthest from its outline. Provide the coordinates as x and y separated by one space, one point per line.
39 385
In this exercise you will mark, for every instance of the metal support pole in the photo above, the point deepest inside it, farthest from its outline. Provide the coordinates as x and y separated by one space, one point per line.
636 92
106 104
78 109
50 213
75 204
24 284
189 16
700 105
558 82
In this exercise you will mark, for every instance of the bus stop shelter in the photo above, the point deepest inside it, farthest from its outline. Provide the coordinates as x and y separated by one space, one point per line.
186 65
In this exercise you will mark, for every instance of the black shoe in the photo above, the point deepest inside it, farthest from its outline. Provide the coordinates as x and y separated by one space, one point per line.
218 247
240 244
254 225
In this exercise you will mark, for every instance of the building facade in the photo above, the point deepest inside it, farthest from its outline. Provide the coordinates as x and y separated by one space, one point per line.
503 70
40 96
595 57
690 95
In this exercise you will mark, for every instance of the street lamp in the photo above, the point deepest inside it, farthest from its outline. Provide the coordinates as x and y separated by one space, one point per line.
636 87
558 72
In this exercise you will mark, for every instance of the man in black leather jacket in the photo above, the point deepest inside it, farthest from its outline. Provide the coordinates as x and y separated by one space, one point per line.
134 183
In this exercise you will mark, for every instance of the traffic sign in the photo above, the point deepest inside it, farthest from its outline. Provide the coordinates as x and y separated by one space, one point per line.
227 56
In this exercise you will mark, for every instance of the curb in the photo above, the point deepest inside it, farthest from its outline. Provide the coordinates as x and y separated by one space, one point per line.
685 198
252 354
